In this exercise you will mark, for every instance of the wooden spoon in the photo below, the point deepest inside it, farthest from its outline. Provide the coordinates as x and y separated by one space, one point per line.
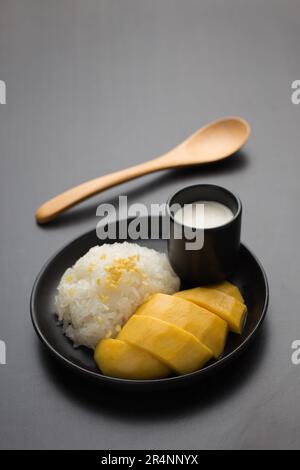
213 142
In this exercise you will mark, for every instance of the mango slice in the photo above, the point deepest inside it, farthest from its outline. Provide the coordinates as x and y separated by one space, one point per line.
117 358
208 328
223 305
178 349
229 289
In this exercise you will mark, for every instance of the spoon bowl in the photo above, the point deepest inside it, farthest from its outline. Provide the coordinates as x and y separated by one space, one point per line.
217 140
213 142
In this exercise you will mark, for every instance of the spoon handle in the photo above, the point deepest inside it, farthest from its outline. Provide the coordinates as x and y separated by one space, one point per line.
52 208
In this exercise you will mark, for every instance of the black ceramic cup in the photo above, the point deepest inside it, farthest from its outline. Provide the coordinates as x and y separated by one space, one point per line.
215 260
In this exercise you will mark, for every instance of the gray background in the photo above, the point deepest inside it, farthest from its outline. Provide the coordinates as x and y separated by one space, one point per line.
94 86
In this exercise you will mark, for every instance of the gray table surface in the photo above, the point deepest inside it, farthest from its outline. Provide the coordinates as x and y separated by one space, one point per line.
94 86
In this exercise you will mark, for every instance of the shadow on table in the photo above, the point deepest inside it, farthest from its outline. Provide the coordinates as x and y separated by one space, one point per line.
143 406
186 176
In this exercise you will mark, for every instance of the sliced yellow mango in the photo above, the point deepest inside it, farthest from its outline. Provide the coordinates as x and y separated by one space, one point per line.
223 305
229 289
178 349
117 358
208 328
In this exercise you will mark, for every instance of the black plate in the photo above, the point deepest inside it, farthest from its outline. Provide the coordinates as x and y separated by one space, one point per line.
249 277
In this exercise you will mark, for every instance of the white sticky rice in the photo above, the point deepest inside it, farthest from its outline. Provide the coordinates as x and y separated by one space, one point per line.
103 289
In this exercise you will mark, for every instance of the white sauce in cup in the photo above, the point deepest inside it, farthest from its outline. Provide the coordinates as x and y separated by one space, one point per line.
203 214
